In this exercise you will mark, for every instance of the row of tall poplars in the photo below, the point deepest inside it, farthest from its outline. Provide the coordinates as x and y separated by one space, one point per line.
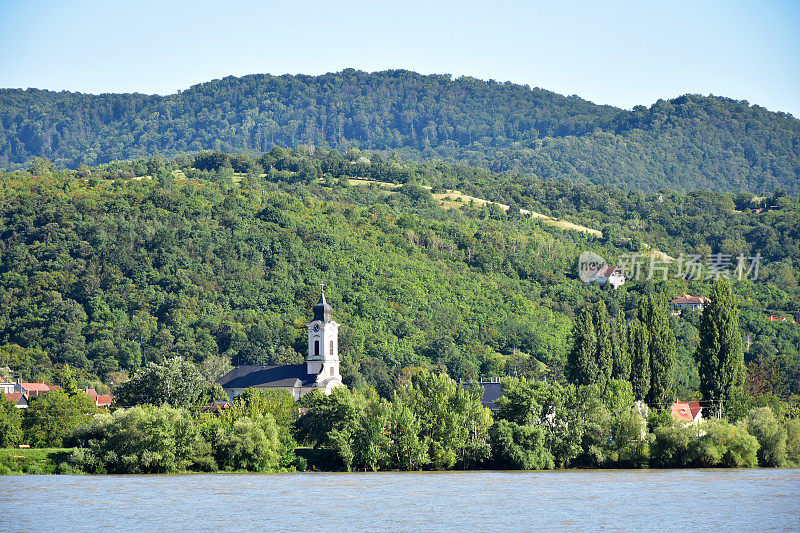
642 350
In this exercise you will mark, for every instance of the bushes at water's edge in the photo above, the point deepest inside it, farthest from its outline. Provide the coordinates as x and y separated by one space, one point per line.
149 439
539 426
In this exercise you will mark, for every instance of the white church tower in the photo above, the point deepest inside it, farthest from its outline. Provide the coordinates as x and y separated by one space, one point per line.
323 345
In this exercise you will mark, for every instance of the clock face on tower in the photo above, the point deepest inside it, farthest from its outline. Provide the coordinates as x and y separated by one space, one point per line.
316 327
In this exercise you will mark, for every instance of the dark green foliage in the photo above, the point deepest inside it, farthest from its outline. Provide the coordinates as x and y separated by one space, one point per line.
605 344
720 356
176 382
582 364
687 143
621 368
654 313
640 359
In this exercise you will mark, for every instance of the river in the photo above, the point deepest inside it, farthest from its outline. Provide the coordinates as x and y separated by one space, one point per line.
654 500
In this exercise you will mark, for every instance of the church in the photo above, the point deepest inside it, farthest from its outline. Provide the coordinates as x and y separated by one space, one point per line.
321 370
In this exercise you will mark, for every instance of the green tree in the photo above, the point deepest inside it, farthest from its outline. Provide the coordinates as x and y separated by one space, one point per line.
10 424
176 382
640 359
605 344
720 355
141 440
582 367
661 345
770 434
51 417
519 447
622 354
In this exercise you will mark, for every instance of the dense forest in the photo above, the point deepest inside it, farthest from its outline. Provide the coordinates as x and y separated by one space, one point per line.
688 143
217 259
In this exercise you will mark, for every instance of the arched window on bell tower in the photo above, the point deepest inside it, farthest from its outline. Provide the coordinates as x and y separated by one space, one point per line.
316 347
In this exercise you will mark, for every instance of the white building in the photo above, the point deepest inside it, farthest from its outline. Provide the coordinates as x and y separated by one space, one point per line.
321 370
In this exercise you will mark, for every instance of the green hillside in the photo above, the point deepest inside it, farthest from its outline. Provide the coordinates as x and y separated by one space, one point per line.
218 259
691 142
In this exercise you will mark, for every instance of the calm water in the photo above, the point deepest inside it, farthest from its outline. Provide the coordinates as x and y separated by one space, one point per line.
674 500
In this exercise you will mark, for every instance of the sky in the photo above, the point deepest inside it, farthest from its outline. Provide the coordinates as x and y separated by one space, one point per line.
618 53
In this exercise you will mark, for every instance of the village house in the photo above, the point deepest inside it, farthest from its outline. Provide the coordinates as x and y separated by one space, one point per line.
320 372
689 412
606 276
696 303
100 400
34 389
19 399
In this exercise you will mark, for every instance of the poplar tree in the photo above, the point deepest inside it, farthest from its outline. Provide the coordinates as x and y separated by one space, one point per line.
661 345
605 350
640 359
622 356
720 355
582 366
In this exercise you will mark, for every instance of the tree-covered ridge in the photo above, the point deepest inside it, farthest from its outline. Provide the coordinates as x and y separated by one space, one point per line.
113 267
687 143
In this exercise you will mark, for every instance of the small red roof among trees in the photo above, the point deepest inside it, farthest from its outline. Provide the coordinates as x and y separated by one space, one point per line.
686 410
687 299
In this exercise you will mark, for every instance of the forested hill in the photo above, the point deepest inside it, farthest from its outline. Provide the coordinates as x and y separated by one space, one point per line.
691 142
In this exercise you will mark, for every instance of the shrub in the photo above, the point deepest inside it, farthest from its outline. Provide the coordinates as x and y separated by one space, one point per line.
771 436
142 439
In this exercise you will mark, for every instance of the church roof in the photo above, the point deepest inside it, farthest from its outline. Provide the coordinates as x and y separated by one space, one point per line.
259 376
323 310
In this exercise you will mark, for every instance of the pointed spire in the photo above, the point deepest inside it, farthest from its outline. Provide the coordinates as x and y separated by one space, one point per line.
322 311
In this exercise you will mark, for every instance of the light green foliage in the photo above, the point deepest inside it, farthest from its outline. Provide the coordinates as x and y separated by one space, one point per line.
251 444
519 447
714 443
51 417
142 439
10 424
793 442
176 382
276 404
771 435
720 355
430 422
454 424
550 406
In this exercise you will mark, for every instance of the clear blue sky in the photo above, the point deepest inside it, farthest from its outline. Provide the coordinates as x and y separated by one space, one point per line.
619 53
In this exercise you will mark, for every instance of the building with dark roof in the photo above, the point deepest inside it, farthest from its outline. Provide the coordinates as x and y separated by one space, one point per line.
492 390
321 370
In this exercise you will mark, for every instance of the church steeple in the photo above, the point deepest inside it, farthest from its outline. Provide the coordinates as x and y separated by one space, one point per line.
323 343
323 310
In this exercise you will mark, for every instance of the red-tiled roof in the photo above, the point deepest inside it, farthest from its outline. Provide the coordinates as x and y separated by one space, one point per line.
103 400
685 410
688 299
13 397
38 387
91 392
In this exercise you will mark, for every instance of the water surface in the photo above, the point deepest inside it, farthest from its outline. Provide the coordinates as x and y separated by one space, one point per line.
658 500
